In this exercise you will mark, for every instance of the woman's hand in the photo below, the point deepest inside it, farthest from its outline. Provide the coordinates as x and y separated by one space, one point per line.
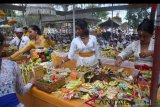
32 80
118 61
146 54
58 66
100 64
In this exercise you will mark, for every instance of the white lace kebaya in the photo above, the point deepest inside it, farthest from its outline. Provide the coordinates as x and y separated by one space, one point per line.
11 79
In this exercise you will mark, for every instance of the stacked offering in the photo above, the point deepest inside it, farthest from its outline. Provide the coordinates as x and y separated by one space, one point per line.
110 52
52 80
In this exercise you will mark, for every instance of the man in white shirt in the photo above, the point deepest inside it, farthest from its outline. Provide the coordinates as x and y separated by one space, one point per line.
20 40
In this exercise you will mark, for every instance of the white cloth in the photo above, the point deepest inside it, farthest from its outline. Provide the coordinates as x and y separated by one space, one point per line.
135 48
20 105
77 45
15 41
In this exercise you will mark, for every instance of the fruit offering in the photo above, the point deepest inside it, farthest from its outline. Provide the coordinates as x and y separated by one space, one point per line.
41 55
50 82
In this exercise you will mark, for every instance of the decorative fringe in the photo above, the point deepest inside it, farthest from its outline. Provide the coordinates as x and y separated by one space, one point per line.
43 9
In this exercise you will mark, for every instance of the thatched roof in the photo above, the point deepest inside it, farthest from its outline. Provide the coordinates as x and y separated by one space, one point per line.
124 26
108 23
43 9
69 18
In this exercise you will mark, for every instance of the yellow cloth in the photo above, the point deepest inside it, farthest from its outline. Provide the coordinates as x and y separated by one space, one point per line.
54 59
71 64
32 44
87 54
27 34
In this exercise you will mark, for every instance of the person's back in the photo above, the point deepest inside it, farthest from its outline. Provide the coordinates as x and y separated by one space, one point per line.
11 82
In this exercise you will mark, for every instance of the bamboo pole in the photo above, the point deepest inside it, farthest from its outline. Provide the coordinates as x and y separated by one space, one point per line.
73 20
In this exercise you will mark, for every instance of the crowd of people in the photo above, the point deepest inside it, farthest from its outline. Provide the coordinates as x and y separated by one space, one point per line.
115 39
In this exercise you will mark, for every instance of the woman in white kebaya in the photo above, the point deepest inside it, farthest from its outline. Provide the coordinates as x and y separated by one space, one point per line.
142 49
85 45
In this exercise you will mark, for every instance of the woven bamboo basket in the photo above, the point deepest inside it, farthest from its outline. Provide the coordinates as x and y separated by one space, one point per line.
50 87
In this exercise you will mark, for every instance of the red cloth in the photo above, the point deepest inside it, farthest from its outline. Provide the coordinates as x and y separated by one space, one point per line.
143 67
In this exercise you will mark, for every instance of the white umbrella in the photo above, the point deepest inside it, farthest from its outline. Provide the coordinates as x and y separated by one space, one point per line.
40 9
5 26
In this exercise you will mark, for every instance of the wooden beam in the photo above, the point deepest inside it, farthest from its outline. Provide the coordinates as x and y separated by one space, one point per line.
155 69
12 7
110 8
98 9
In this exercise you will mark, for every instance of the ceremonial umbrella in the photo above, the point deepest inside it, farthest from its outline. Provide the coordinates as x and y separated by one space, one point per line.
2 14
5 26
12 21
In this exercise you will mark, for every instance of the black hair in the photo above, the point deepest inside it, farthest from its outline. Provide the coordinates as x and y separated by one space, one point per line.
147 26
1 39
25 28
82 24
119 30
86 32
35 28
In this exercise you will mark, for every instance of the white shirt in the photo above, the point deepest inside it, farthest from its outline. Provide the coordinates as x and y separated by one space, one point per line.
77 45
135 49
15 41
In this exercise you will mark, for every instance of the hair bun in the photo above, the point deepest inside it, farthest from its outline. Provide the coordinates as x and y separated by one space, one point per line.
147 25
148 21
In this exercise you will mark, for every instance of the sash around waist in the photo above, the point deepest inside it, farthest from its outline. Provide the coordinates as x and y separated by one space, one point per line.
9 100
87 54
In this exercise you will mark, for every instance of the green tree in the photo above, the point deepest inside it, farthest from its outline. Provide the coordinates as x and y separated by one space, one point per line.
136 16
100 15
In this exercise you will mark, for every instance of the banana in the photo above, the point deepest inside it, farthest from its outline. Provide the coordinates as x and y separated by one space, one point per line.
27 70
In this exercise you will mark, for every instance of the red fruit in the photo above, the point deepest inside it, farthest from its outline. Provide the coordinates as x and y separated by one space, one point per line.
43 59
55 77
43 56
